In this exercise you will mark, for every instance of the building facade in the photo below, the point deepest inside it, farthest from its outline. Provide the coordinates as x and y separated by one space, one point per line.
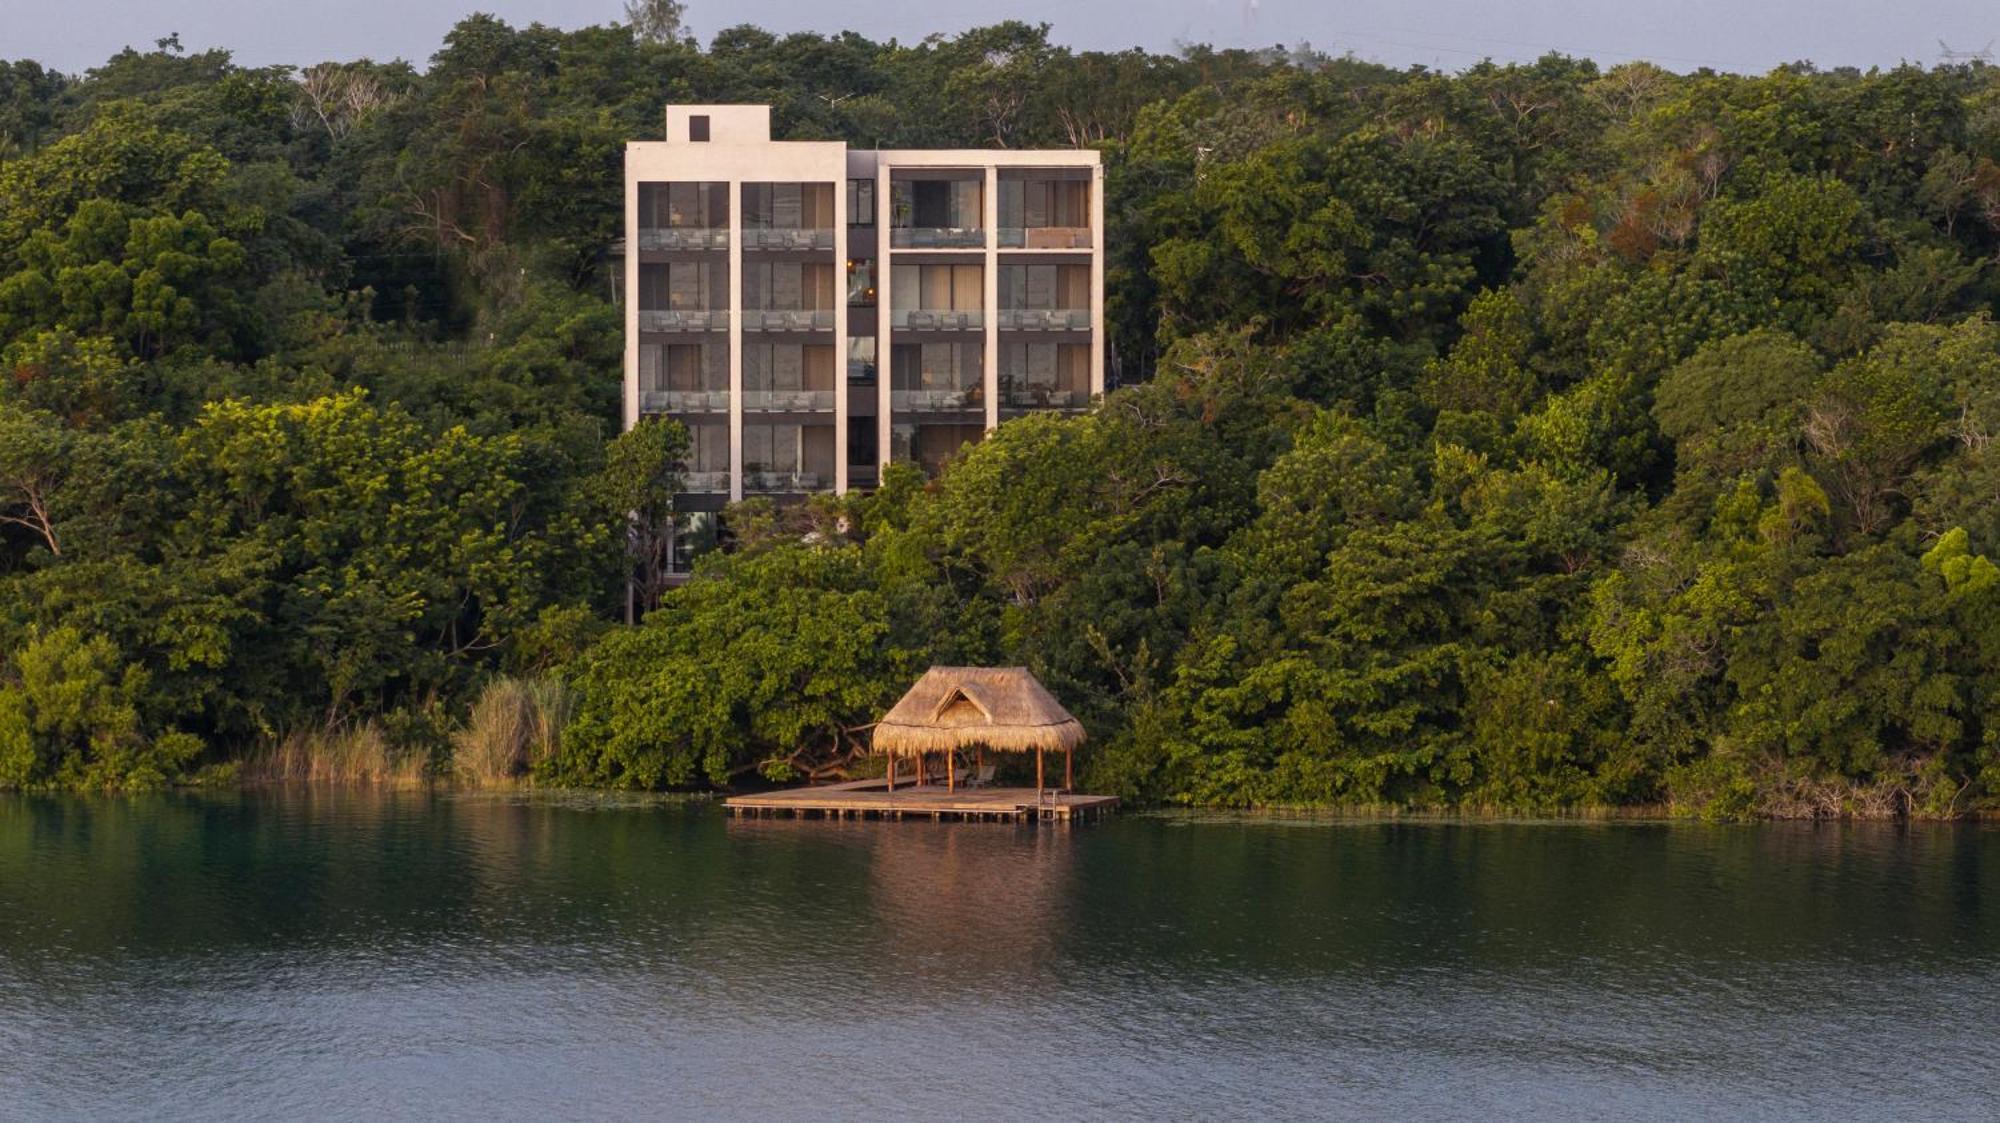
813 312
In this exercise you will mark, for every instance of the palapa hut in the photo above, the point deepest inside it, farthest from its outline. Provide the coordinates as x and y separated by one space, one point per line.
955 709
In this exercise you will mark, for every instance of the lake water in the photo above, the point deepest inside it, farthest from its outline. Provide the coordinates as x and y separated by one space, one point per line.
347 955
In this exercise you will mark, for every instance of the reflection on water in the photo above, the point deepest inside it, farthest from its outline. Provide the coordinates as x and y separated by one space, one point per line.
306 952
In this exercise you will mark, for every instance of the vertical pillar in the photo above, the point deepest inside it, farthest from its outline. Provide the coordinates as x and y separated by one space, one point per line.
950 771
1069 773
892 772
885 343
990 337
840 327
735 286
1098 342
630 267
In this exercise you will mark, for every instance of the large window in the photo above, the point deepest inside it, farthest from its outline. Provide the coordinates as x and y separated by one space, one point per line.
939 366
682 286
683 367
770 448
708 447
937 213
939 203
1036 203
1045 286
861 440
861 202
938 287
788 206
788 285
861 357
860 283
684 206
782 456
787 366
930 443
1044 375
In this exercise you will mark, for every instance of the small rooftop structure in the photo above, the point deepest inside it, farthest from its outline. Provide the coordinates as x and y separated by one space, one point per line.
955 709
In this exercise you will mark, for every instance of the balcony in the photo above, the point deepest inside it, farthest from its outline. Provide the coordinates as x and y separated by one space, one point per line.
1027 396
684 238
937 238
788 239
1045 319
684 401
788 401
926 319
689 320
705 483
1045 237
936 401
768 482
755 319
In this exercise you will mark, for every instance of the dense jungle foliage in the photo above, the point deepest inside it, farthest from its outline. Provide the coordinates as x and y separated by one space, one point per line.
1531 437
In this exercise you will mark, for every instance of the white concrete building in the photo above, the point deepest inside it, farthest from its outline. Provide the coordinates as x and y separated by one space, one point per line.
812 312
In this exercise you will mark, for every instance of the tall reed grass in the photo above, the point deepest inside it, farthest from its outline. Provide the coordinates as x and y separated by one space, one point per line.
348 754
514 726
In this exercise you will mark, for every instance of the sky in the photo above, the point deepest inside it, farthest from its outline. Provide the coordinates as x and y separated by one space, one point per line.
1739 35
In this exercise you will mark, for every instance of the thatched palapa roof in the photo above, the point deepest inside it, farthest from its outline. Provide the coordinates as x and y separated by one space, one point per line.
1000 708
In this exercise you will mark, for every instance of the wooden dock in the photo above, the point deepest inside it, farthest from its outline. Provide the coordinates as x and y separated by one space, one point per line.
872 799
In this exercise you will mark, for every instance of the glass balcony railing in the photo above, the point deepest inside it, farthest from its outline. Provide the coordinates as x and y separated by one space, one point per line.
937 401
705 483
1045 237
1027 395
793 319
788 401
684 401
1046 319
685 238
791 239
688 320
937 237
770 480
860 370
927 319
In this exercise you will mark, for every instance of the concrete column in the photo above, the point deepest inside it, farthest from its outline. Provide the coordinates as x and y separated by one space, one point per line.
630 312
840 330
631 309
1098 339
884 342
991 336
735 340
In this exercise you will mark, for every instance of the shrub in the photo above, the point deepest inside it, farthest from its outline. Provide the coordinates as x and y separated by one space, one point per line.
514 727
71 715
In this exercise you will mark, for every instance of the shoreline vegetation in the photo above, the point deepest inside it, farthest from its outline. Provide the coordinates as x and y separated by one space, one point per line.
525 787
1539 437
